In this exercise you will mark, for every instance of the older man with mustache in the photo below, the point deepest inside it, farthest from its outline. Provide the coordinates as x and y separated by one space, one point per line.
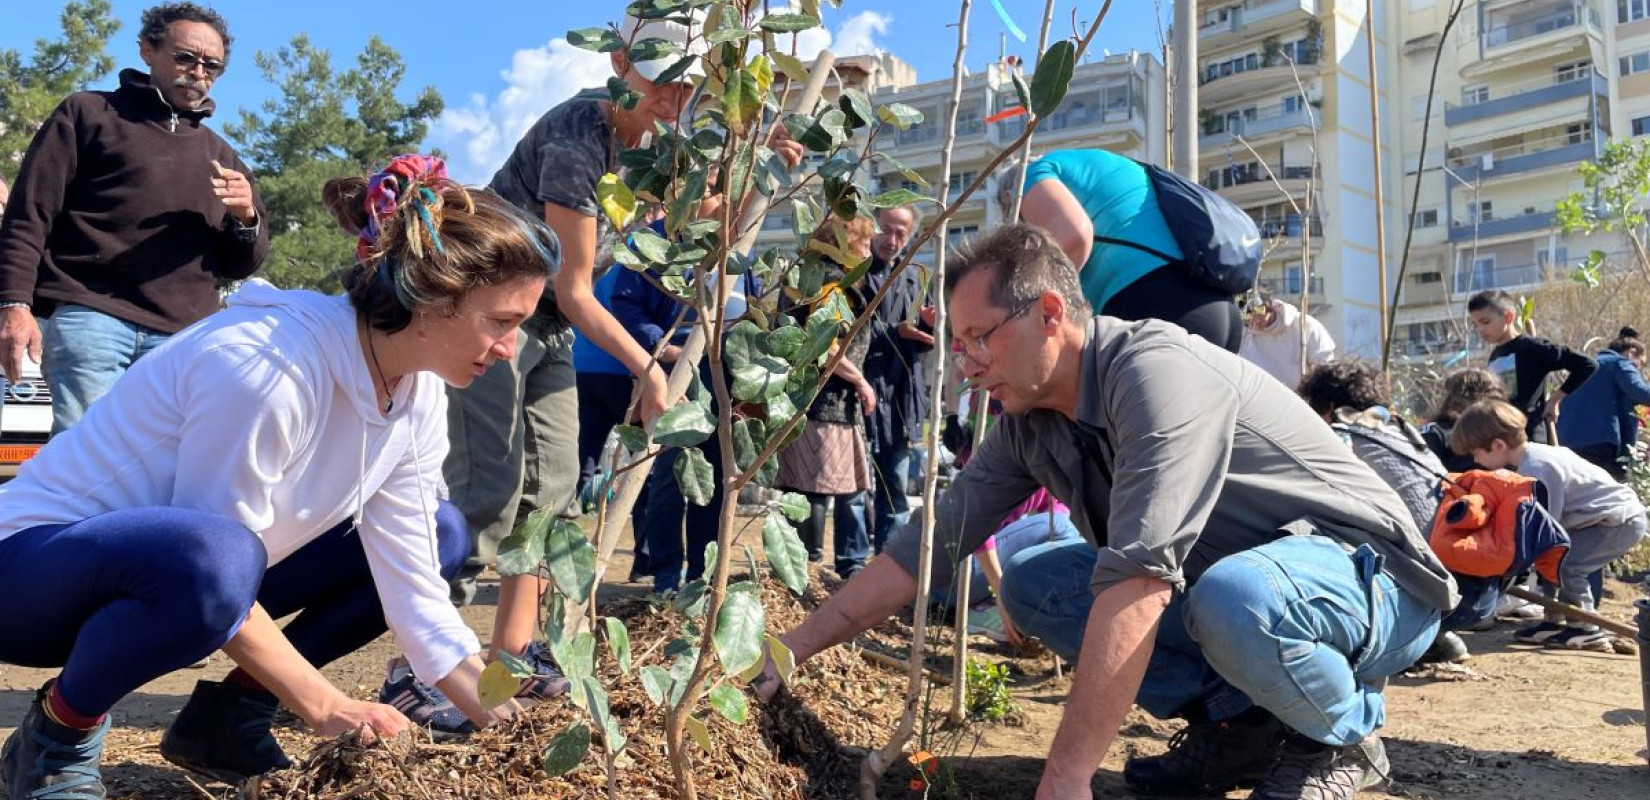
126 214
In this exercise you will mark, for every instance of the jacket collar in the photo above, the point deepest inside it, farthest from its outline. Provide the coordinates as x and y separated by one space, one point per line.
140 85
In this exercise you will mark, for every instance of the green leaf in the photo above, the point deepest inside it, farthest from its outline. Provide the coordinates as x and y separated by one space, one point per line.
576 657
596 40
685 425
622 95
629 259
857 106
762 69
794 506
1052 77
653 49
656 682
788 23
522 552
730 703
822 333
899 115
517 666
631 437
680 672
904 171
694 476
757 375
819 135
712 551
1021 91
785 552
600 708
651 246
618 640
690 602
790 65
496 685
740 626
748 438
783 658
741 99
571 559
567 750
898 198
785 342
701 734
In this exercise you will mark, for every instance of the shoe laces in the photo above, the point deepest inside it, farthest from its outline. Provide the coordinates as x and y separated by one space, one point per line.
74 763
1311 771
1193 746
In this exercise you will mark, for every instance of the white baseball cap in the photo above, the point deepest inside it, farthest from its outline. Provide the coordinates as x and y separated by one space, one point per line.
635 30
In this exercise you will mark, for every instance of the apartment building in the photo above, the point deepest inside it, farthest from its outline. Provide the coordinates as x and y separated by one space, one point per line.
1285 128
1116 103
1527 90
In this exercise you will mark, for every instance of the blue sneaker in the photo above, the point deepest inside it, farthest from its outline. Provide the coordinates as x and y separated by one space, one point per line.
423 704
547 680
46 761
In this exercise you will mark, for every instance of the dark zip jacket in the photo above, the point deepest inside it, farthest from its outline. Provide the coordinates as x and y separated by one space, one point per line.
114 210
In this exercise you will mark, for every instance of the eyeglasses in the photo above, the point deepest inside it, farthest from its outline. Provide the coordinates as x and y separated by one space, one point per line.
189 61
976 349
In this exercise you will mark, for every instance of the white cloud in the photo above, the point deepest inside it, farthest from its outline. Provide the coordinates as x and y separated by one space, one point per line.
481 134
856 36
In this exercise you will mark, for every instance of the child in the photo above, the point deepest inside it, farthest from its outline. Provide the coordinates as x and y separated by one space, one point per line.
1524 362
1604 518
1462 388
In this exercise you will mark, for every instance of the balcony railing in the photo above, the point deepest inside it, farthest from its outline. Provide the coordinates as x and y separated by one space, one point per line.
1287 227
1085 116
1466 231
1222 71
1290 286
1476 279
1243 176
1502 34
1244 16
1274 119
930 132
1550 151
1529 95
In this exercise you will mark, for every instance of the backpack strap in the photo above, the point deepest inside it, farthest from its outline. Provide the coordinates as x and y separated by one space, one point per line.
1355 430
1167 259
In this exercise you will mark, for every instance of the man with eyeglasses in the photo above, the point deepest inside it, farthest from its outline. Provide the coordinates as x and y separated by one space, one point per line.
1240 567
126 214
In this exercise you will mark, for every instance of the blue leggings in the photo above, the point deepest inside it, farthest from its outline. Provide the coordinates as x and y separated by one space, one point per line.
123 598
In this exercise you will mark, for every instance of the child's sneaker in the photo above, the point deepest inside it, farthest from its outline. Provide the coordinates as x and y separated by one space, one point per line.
1515 608
1539 634
423 704
1575 638
547 681
986 620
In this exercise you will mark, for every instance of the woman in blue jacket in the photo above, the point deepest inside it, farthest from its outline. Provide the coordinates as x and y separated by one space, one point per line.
1076 195
1598 422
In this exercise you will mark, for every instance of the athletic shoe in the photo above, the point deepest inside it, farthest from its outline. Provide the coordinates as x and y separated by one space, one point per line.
547 681
422 703
1210 758
1310 770
223 733
987 620
1577 638
43 760
1446 649
1514 608
1538 634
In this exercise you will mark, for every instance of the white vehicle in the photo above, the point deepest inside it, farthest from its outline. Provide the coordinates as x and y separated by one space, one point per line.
25 418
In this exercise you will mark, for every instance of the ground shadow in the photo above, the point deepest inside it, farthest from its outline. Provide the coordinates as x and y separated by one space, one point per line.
140 710
135 780
1436 770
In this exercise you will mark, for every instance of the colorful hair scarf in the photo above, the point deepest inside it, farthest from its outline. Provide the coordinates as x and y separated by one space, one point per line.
385 190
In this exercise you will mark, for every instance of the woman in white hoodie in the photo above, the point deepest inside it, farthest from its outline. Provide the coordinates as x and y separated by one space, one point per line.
281 456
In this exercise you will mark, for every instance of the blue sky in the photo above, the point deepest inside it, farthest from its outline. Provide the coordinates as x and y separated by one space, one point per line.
503 65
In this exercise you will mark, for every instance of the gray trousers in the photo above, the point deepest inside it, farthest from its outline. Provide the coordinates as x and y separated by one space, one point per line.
515 442
1592 549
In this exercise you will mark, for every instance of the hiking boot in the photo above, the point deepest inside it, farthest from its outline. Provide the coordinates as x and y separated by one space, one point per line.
423 704
1578 638
1539 634
223 733
1210 757
46 761
547 681
1311 770
1446 649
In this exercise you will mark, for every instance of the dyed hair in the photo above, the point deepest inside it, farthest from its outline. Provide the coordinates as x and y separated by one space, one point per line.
1024 262
158 19
1485 422
1464 387
484 240
1344 384
1627 342
1493 299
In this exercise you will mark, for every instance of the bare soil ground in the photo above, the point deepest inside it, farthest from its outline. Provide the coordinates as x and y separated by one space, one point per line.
1523 722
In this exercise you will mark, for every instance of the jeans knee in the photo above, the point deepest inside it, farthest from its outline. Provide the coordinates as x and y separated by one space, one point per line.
452 539
1223 603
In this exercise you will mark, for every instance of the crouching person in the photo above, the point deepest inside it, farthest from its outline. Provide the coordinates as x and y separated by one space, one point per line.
1241 567
282 456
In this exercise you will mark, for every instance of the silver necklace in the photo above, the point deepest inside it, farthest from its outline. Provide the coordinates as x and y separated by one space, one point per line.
389 399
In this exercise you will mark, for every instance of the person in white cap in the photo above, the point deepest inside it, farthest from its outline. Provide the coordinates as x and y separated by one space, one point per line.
514 431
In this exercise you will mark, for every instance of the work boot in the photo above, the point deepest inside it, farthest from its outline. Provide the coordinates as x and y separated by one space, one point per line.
44 760
223 733
1210 757
1311 770
1446 649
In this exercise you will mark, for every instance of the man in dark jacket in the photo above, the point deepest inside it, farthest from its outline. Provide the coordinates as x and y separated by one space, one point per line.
126 214
893 367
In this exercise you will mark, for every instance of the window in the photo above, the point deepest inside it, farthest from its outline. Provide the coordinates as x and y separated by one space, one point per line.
1293 103
1580 70
1482 211
1429 277
1635 63
1641 126
1473 95
1426 218
1632 10
1420 5
1578 133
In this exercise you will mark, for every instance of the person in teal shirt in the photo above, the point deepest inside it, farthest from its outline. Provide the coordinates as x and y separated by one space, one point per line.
1078 195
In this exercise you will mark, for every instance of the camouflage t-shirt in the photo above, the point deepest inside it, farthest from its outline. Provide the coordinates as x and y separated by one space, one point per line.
559 162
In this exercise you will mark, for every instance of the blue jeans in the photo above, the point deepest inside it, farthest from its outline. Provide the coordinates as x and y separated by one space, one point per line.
1297 626
892 509
671 519
851 545
86 351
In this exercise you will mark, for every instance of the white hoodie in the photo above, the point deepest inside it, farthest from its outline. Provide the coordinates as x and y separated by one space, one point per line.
1278 349
265 413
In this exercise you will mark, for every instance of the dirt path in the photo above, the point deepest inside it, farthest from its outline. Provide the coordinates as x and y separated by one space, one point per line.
1526 723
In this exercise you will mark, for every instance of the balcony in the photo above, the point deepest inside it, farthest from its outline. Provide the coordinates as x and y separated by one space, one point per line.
1527 96
930 132
1288 227
1290 286
1523 33
1256 19
1250 184
1466 231
1225 83
1546 153
1273 119
1470 279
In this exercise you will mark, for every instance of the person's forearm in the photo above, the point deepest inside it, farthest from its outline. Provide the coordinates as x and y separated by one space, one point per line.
596 323
461 687
871 597
262 650
1117 644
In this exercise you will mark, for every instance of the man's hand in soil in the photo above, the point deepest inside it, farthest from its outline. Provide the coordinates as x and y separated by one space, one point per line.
19 338
351 715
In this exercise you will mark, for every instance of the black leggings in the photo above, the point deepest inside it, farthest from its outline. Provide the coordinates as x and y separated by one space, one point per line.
1169 294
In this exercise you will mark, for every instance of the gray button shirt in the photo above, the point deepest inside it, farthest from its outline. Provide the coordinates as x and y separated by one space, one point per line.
1181 454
